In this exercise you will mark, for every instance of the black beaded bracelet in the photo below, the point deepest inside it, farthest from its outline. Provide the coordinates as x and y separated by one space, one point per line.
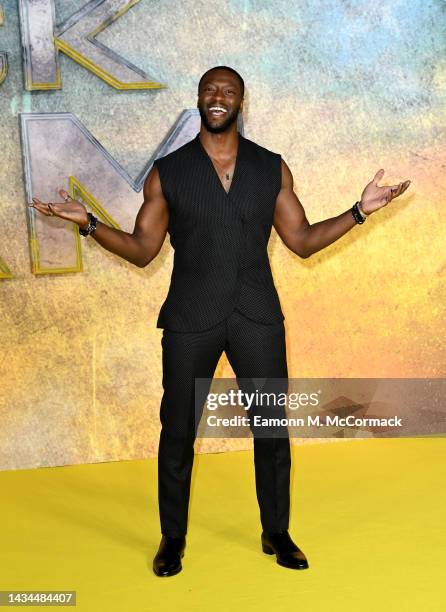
92 221
356 214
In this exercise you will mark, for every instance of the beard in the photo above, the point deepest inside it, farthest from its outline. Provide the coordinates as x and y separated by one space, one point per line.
230 118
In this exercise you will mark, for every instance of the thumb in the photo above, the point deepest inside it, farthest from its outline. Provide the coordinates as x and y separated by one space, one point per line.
378 176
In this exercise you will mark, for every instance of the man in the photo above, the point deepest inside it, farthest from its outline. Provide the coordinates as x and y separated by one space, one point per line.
218 197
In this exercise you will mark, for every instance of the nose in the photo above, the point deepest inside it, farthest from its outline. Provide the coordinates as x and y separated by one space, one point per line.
218 95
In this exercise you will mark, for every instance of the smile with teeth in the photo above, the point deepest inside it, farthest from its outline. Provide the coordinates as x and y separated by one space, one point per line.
216 111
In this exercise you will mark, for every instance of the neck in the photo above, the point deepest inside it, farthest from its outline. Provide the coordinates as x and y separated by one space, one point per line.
224 144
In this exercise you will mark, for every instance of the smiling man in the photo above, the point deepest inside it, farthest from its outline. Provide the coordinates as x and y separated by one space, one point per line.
218 196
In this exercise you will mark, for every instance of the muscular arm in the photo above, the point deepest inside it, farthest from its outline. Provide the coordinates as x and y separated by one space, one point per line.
144 244
292 225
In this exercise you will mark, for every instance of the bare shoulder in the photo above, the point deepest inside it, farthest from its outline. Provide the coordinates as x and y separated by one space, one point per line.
152 185
287 177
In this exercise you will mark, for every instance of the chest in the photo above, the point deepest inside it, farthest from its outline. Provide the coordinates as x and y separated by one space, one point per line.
201 194
224 168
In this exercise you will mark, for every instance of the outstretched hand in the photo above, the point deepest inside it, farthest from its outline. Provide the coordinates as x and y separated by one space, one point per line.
374 197
70 209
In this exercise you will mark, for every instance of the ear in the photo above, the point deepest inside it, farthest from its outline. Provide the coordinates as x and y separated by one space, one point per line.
241 105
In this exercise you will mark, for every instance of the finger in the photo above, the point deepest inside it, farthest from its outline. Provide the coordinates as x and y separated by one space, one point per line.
378 176
401 189
43 209
37 206
388 195
53 207
395 190
65 195
405 185
47 208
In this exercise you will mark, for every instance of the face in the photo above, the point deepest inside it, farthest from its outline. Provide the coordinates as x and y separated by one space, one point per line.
219 100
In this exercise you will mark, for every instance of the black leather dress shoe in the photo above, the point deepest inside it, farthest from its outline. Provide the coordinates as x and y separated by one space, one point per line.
167 561
286 551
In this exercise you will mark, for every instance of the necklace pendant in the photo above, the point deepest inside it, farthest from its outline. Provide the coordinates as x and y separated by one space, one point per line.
227 176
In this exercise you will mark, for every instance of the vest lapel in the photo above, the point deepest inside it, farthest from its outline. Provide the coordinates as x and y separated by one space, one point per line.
240 181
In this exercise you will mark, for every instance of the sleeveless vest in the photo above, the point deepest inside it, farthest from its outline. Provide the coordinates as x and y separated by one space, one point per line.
219 239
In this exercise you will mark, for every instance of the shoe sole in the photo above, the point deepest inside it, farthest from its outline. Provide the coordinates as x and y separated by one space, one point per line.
169 574
293 566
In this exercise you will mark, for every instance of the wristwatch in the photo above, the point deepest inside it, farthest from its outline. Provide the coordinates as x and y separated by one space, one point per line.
92 221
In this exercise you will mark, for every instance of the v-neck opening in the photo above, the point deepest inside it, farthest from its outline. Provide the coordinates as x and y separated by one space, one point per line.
236 165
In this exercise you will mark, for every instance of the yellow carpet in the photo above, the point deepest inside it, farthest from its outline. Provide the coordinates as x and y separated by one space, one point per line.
369 515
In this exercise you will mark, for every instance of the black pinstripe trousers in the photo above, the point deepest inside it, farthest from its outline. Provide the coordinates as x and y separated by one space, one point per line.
253 350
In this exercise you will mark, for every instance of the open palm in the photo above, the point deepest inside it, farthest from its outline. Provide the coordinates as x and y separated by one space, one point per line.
70 209
374 197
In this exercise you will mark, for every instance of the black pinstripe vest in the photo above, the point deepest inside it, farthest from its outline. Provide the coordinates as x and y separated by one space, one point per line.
220 239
